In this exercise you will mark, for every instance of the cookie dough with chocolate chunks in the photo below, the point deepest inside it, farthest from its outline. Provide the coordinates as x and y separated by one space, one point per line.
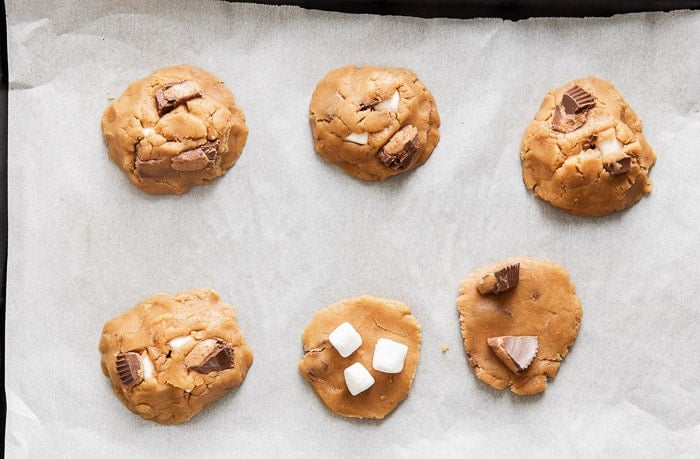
373 318
374 122
172 355
518 337
176 128
584 152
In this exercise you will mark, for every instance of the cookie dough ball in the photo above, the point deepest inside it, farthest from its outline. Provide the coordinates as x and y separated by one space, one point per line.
585 152
374 122
172 355
518 319
364 346
176 128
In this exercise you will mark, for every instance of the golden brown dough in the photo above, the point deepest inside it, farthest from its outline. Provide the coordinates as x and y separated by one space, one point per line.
323 367
172 355
176 128
374 122
542 304
592 161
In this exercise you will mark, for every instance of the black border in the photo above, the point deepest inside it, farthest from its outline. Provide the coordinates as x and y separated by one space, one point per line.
506 9
3 200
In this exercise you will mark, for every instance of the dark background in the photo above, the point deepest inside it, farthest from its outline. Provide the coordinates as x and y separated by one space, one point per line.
507 9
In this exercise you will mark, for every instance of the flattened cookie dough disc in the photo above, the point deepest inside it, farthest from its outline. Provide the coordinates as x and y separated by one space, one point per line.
323 367
584 152
172 355
176 128
542 304
374 122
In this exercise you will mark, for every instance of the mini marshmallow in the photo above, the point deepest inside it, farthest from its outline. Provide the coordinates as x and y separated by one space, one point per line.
357 378
180 342
345 339
609 146
389 356
389 104
361 139
147 366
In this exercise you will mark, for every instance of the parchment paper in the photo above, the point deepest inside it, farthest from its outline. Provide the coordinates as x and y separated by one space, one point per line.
284 234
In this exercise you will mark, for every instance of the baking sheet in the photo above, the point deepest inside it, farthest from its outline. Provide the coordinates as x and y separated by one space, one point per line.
284 234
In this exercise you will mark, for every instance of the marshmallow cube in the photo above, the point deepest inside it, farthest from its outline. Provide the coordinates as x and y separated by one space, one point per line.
357 378
389 356
361 139
345 339
389 104
180 342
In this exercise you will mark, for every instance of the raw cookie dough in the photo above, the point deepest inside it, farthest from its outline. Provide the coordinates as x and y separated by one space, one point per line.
374 122
323 367
586 153
542 304
172 355
176 128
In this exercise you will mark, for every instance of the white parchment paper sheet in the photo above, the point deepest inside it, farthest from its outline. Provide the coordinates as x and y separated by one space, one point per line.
284 234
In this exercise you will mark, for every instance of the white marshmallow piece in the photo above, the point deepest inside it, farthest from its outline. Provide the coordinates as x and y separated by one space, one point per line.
345 339
147 366
361 139
609 146
389 356
180 342
357 378
389 104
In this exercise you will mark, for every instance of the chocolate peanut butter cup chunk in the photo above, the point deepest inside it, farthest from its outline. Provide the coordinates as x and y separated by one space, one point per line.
518 336
360 355
584 152
172 355
374 122
176 128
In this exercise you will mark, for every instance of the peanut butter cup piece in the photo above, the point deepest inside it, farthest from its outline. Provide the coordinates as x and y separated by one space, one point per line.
500 281
196 159
170 96
516 352
129 369
210 355
399 151
576 100
619 167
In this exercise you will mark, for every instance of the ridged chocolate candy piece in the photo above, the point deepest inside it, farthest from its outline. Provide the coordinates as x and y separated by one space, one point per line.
566 123
400 149
129 369
151 168
170 96
516 352
212 355
575 100
500 281
619 167
196 159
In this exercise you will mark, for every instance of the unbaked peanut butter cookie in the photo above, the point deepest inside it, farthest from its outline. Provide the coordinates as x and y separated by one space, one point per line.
374 122
584 152
518 318
172 355
176 128
360 355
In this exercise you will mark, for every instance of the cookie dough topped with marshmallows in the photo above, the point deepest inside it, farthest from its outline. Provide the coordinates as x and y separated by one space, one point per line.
584 152
360 355
374 122
176 128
